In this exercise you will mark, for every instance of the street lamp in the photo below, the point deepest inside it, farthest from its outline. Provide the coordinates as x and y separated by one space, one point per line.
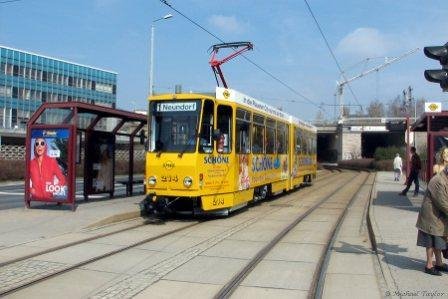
151 60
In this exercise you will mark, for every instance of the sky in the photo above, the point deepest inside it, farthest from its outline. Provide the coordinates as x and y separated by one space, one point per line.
290 66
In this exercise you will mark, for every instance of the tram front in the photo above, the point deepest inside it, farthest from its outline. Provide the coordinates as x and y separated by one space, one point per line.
181 135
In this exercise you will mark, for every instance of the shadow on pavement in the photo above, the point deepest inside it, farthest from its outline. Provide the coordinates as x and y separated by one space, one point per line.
393 200
391 248
404 262
351 248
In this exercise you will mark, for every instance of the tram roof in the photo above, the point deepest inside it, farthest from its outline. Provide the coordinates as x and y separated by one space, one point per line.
232 95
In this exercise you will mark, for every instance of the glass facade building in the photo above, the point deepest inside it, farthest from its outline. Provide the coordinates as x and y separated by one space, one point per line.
27 80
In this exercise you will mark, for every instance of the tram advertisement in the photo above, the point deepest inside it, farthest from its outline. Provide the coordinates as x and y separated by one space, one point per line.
49 165
100 160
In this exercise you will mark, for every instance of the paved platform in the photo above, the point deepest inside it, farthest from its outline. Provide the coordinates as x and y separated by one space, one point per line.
21 225
353 268
401 261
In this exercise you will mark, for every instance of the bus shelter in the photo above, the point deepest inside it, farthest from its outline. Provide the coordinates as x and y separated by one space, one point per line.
435 124
57 133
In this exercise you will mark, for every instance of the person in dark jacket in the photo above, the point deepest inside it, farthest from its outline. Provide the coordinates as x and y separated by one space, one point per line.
416 165
432 222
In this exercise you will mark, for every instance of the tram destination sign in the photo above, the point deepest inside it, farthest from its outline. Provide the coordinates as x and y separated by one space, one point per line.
175 107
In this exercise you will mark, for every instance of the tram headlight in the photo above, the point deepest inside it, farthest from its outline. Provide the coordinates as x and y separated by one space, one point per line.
188 181
152 181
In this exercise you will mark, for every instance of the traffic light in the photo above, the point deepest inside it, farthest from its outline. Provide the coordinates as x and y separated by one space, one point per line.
439 53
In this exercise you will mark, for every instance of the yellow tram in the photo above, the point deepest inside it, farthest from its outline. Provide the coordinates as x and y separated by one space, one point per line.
215 153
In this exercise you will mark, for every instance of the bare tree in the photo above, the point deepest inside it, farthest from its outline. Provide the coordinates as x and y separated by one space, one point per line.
396 108
376 109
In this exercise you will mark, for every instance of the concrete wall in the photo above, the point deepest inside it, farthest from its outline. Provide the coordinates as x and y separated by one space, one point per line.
351 146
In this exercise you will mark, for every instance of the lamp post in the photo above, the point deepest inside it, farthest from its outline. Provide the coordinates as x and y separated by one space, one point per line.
151 59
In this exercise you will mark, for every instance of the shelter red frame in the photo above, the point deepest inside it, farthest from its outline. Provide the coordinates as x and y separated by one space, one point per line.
71 122
434 124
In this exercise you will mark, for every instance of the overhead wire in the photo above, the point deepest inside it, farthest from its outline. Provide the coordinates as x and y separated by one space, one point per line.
249 60
9 1
331 51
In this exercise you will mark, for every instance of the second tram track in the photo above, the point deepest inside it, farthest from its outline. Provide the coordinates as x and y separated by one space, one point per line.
235 282
18 287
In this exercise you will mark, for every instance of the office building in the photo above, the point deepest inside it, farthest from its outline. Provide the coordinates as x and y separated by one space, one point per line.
27 80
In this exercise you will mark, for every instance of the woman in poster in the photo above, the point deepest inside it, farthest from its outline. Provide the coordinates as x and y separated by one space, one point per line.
47 180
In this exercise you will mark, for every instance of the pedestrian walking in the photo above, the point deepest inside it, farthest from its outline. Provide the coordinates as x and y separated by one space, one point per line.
432 222
416 165
398 165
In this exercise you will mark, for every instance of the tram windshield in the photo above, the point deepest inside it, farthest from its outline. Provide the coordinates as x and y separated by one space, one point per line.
174 126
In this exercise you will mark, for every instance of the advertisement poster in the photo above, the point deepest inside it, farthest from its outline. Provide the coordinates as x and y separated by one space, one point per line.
100 159
48 166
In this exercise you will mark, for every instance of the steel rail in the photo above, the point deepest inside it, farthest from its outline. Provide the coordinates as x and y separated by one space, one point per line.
94 259
236 280
74 243
322 265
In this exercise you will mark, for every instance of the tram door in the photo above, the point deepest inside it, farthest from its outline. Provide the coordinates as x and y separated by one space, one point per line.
224 125
224 146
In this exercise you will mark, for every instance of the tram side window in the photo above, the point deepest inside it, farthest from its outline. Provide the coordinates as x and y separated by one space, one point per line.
298 137
206 137
314 147
258 134
224 117
270 136
282 138
306 144
242 131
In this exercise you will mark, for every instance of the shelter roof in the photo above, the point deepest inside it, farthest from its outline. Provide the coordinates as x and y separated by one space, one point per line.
92 115
438 122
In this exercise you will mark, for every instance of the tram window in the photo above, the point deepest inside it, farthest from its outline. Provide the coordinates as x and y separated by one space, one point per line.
306 144
258 134
242 131
224 117
173 130
270 136
206 137
298 141
281 142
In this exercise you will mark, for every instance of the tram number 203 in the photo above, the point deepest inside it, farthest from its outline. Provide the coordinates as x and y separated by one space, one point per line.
218 201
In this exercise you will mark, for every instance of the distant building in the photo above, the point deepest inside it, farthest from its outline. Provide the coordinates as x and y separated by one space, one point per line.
27 80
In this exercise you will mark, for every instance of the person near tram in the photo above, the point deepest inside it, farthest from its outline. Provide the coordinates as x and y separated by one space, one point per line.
432 222
398 166
442 160
416 165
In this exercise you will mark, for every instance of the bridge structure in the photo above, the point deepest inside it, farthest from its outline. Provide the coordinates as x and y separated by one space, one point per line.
358 137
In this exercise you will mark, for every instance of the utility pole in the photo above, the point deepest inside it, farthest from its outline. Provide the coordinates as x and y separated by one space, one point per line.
407 101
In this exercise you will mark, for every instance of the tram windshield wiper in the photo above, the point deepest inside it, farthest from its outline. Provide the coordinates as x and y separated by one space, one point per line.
191 142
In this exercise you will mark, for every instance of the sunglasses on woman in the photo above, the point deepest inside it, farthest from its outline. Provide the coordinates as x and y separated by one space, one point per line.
42 143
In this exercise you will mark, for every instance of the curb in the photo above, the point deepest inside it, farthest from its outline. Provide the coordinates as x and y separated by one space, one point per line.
385 279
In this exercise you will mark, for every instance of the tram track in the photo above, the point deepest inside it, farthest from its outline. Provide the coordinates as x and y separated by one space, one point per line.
319 275
19 286
227 290
328 173
5 290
